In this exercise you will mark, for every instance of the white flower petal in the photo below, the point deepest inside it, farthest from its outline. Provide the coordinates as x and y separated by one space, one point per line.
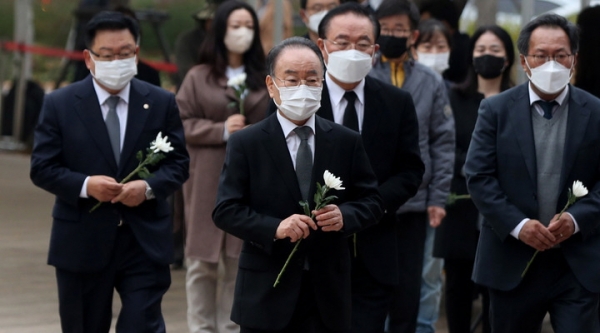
332 181
578 189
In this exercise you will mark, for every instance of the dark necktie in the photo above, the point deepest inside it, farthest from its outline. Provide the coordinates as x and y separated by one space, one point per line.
113 126
350 116
304 160
547 107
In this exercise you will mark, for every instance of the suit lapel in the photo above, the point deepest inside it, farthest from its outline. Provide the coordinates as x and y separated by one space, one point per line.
323 149
372 112
139 106
325 111
276 146
90 114
576 127
523 128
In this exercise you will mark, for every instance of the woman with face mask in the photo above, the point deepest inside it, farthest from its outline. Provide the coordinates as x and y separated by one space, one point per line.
210 111
432 47
491 57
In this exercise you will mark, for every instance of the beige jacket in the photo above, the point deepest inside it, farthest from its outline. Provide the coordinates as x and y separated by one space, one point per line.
204 106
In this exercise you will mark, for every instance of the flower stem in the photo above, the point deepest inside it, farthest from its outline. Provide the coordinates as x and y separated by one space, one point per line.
126 179
286 263
536 252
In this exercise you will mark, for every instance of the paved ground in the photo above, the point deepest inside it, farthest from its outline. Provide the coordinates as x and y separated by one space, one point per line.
28 300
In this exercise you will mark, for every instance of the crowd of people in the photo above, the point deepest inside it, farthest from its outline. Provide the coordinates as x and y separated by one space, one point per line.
441 171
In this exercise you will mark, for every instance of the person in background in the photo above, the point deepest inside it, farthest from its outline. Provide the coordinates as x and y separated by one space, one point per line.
187 44
210 111
266 16
418 217
432 46
432 49
492 57
312 12
446 12
86 142
530 146
385 116
587 70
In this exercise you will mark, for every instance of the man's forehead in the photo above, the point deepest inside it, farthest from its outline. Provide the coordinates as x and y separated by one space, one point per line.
548 34
350 23
296 60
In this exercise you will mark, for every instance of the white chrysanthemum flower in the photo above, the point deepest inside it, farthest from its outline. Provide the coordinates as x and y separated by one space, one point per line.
237 80
161 144
332 181
578 189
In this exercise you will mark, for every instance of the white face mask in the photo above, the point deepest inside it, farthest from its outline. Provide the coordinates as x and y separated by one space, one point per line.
299 103
315 19
436 61
238 40
115 74
551 77
349 66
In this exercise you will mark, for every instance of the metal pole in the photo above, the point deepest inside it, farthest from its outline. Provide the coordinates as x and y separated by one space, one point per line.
278 22
526 16
24 35
584 4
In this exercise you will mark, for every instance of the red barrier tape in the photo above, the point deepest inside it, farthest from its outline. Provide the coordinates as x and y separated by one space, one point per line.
75 55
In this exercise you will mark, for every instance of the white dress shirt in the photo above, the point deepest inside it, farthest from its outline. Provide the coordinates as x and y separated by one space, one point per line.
292 140
122 112
339 103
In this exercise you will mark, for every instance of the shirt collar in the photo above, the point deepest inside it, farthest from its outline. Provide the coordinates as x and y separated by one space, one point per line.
560 99
336 93
287 126
103 95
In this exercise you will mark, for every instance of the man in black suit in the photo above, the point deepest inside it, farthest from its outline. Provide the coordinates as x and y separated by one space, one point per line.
258 201
386 119
530 144
85 143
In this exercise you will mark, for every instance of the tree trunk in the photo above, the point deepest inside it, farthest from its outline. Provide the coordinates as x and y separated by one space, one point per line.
487 10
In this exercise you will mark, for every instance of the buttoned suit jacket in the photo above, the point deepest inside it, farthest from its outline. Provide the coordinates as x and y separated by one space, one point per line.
72 142
502 179
258 189
390 133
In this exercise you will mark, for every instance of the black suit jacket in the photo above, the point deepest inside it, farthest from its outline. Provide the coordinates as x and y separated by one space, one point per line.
258 189
390 133
71 143
501 174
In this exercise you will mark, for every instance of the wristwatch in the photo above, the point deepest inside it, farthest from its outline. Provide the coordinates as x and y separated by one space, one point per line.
149 193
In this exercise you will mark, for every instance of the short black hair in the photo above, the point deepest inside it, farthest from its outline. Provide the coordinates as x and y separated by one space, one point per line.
443 10
343 9
548 20
110 20
399 7
303 4
428 28
292 42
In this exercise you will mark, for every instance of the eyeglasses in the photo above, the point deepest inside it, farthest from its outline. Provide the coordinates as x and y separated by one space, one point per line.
344 45
295 82
539 59
395 32
125 54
